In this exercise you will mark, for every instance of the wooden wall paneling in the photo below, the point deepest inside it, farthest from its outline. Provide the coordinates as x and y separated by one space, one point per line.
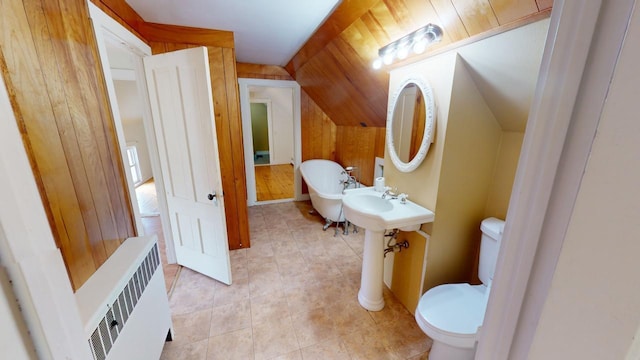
311 129
332 89
91 118
386 20
70 130
329 136
454 26
242 238
544 4
355 51
226 101
318 131
477 15
225 151
232 180
25 82
99 158
342 17
158 47
422 12
334 66
511 10
118 186
121 12
357 147
186 35
61 105
380 142
257 71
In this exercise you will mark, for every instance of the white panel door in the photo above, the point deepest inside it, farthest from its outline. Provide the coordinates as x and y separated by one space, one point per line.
184 125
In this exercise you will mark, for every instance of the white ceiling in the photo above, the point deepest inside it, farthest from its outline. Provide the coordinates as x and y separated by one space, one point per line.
266 31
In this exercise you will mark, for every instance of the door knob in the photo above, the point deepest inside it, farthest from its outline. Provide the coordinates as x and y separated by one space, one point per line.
211 196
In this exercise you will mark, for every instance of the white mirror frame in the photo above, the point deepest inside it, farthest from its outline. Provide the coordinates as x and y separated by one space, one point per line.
429 126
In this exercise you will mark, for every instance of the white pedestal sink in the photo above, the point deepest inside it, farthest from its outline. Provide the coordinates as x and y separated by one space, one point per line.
367 209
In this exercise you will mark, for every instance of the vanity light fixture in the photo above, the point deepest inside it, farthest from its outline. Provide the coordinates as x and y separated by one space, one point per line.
415 42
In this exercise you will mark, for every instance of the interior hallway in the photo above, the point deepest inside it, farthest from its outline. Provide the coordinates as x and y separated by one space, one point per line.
148 206
294 296
274 182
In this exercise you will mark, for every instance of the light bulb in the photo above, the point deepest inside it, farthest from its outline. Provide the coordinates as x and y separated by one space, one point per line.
420 46
377 64
387 59
403 52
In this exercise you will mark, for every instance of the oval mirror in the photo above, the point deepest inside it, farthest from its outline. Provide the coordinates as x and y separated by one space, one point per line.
410 123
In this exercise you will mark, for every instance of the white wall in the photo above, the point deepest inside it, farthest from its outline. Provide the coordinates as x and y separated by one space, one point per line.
14 338
131 114
282 121
592 309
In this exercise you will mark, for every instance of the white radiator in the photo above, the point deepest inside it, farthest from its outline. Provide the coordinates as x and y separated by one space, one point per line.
124 305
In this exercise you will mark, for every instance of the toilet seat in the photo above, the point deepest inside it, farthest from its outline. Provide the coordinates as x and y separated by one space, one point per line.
452 313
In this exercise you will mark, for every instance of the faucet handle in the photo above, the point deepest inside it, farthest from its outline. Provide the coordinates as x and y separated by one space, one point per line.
403 198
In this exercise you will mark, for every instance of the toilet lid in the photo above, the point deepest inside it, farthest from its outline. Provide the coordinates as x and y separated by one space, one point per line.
454 308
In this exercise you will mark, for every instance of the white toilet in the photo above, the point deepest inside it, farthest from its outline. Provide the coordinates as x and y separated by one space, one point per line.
450 314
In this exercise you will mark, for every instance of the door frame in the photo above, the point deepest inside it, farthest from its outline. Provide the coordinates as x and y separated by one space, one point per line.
580 55
107 28
245 110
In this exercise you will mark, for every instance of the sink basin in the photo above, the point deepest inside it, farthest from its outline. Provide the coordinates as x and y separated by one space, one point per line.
367 209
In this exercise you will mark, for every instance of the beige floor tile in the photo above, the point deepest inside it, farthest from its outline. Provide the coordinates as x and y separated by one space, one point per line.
333 349
370 344
294 355
294 296
407 339
191 327
261 266
392 312
267 309
232 294
274 339
303 298
350 317
195 293
191 351
266 284
314 326
260 249
285 246
291 264
237 345
230 317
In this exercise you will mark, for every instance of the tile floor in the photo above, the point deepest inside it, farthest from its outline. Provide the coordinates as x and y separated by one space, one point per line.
294 296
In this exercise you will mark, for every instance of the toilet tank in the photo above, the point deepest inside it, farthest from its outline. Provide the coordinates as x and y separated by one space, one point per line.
492 229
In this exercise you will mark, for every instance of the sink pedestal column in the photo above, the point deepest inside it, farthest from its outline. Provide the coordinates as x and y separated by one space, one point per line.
370 294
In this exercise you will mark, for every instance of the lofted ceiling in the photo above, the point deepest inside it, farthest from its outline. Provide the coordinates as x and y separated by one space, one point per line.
334 66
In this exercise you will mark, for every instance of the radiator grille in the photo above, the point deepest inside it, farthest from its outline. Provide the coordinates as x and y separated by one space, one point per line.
116 316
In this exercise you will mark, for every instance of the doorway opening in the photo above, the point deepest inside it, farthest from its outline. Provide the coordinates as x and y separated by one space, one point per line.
271 130
121 54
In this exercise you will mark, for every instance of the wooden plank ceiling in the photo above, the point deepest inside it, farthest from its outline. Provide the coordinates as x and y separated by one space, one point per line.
334 66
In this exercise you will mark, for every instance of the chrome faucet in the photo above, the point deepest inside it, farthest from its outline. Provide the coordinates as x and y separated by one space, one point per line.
391 194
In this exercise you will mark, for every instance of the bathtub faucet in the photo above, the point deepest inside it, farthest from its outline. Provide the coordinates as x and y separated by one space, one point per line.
350 179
